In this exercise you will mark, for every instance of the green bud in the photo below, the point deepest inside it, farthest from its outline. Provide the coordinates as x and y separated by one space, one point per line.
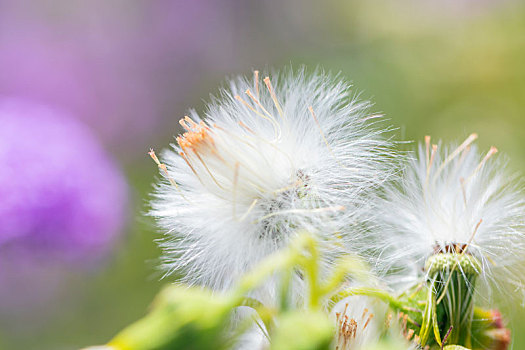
489 330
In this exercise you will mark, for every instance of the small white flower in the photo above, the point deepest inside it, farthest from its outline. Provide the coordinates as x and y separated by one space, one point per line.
459 201
266 162
358 326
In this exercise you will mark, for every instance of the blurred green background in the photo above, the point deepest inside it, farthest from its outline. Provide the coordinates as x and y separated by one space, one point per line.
444 68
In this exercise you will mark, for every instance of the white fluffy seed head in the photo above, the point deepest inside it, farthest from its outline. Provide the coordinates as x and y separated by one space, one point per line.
455 200
268 160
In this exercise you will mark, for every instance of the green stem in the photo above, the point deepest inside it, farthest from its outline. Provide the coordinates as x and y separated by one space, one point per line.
370 292
265 314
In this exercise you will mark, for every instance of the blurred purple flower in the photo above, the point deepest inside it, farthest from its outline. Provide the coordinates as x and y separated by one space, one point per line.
123 67
62 199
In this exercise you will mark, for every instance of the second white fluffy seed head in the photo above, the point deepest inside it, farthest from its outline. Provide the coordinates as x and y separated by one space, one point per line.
455 200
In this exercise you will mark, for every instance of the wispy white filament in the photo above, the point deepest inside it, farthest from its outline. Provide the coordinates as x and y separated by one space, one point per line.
269 159
455 197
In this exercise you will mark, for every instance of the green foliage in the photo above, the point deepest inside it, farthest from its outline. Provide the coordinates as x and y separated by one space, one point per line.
428 314
193 318
181 318
303 330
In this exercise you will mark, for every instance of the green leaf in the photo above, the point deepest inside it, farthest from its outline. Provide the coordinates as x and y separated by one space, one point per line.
303 330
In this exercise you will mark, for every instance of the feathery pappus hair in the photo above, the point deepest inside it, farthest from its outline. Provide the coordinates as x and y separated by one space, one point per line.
270 158
459 201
